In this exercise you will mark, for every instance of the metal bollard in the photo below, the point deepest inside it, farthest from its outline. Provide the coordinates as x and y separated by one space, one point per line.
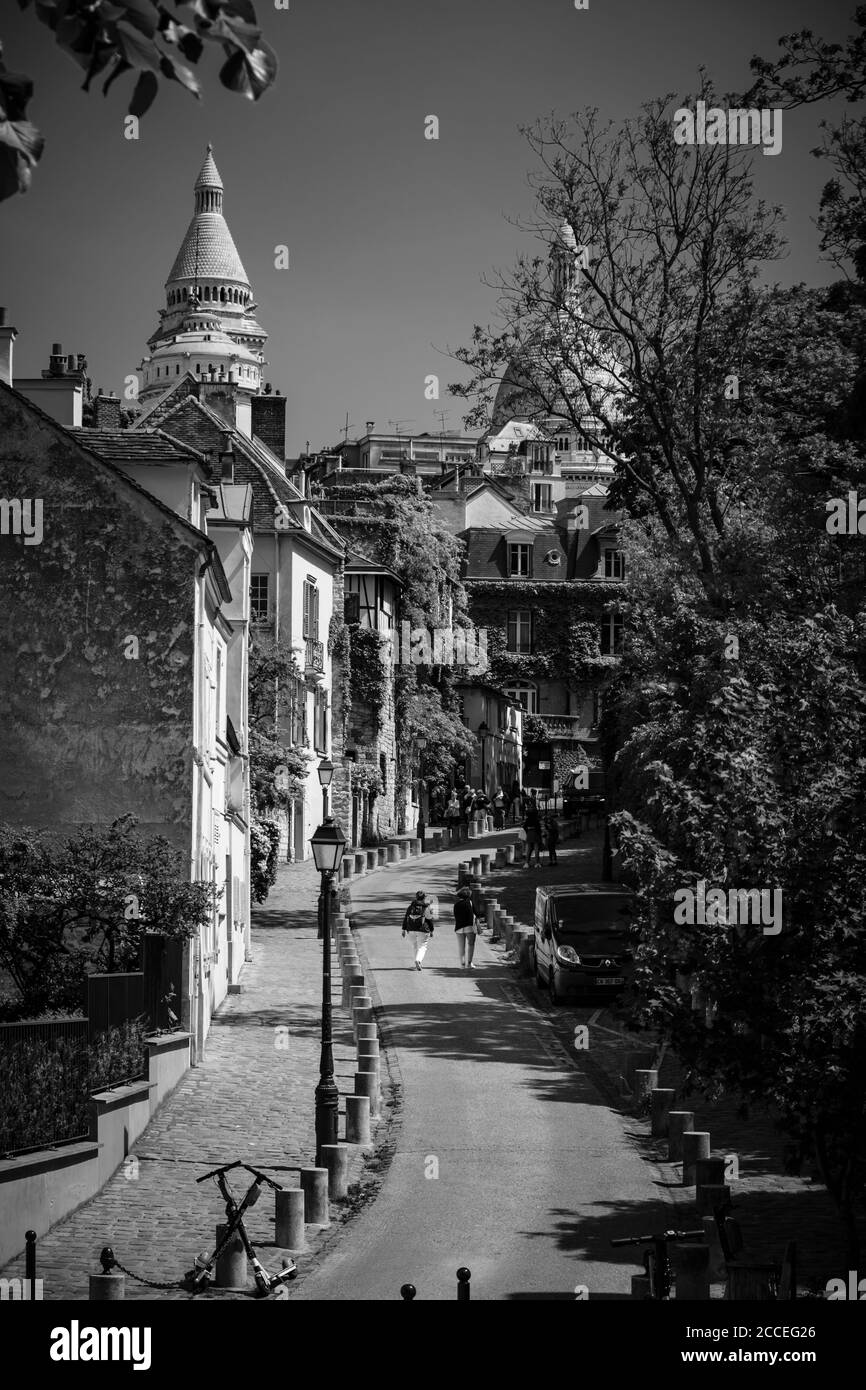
107 1287
408 1291
680 1122
290 1233
696 1144
231 1266
367 1084
358 1120
335 1157
314 1184
463 1277
661 1101
30 1263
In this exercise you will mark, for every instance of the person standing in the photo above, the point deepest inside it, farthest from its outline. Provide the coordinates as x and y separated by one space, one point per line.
532 830
418 923
465 927
515 799
499 809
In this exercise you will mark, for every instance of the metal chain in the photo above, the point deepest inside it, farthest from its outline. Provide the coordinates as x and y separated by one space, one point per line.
151 1283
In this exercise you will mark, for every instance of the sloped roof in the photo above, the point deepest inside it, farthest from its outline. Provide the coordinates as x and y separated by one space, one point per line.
208 245
139 446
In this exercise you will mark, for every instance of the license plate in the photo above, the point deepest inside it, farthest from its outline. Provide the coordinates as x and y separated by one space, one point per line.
610 980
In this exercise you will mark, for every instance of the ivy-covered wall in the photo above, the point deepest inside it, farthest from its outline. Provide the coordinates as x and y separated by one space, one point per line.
97 639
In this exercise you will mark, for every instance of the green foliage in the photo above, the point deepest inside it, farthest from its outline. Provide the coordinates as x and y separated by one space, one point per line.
535 730
47 1083
21 144
368 681
264 856
69 908
277 770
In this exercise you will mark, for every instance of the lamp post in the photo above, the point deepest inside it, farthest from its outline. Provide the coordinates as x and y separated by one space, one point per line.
326 776
327 845
421 744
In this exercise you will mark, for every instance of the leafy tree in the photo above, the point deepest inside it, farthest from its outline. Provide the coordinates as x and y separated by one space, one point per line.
69 908
151 38
277 769
811 70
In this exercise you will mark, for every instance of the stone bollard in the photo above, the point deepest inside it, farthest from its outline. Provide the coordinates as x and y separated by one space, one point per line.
351 981
509 925
368 1047
360 863
696 1144
680 1122
231 1267
498 919
372 859
637 1059
644 1083
367 1084
718 1270
358 1120
106 1288
691 1271
522 941
381 856
485 863
710 1195
290 1233
415 849
403 849
519 851
361 1016
314 1185
499 860
347 867
360 1003
660 1106
750 1283
710 1171
490 912
509 854
367 1030
393 854
475 866
472 831
335 1157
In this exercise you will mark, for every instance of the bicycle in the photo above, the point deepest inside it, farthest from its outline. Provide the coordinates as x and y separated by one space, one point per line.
235 1211
656 1260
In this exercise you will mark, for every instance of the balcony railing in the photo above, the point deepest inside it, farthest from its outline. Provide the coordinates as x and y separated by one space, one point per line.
315 655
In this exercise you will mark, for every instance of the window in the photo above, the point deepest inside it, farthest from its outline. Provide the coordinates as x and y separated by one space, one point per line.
563 444
611 634
614 564
259 597
520 559
352 608
320 721
524 694
542 497
541 453
365 459
520 631
299 713
311 610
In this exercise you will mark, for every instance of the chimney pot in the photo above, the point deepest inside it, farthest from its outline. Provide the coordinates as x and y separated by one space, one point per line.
2 317
56 350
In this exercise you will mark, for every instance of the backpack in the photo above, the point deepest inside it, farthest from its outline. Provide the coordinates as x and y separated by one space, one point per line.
414 918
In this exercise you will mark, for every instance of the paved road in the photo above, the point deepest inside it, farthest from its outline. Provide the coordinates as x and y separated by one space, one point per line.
535 1172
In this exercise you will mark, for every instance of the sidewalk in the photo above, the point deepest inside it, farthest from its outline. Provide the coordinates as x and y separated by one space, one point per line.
249 1099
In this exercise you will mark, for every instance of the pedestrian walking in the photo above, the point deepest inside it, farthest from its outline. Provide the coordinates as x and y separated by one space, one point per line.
465 927
452 816
499 805
532 830
551 834
418 921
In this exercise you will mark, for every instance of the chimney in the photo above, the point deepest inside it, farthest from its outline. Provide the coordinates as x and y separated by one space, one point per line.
368 428
8 334
106 412
269 422
60 389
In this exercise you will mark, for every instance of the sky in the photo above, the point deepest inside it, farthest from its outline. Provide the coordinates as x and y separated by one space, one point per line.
389 234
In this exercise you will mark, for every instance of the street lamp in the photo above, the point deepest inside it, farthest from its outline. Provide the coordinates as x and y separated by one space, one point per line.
327 845
326 776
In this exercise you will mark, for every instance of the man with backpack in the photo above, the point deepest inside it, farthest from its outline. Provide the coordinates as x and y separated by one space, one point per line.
418 922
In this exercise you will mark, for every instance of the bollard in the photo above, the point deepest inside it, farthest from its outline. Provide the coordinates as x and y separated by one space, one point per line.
492 905
521 942
638 1059
358 1120
476 866
640 1286
472 830
403 849
519 848
711 1195
231 1266
408 1291
347 867
368 1047
353 981
381 857
372 860
660 1106
105 1287
710 1171
485 863
335 1157
290 1234
718 1269
393 854
30 1264
463 1277
361 1016
415 848
509 854
508 925
751 1283
691 1271
499 860
680 1122
367 1084
643 1085
359 994
314 1185
367 1030
696 1144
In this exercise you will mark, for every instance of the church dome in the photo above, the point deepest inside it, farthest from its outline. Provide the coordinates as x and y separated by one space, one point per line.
207 250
